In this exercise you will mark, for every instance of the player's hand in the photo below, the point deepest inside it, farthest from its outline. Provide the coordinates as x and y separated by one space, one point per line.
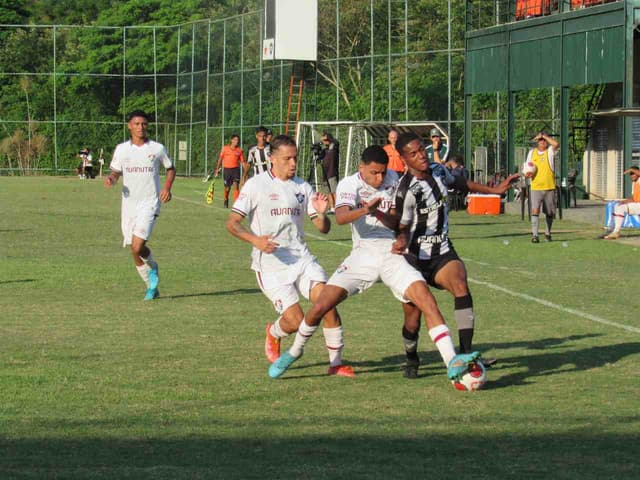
399 246
165 195
372 206
216 173
506 183
320 202
265 244
528 175
109 181
436 143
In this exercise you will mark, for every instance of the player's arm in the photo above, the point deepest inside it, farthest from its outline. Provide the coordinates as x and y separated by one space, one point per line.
551 141
320 202
389 219
246 165
347 214
401 242
261 242
165 193
499 189
217 170
112 178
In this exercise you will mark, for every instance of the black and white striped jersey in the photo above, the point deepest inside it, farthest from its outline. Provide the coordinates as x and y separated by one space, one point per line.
259 159
423 206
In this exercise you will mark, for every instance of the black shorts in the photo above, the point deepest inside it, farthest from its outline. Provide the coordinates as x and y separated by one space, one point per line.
231 176
430 268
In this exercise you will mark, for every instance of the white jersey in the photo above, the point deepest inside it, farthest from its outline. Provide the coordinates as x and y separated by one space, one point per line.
277 208
259 159
140 169
368 231
423 205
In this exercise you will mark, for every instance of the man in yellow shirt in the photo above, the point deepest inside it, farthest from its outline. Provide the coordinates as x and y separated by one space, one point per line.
629 206
543 184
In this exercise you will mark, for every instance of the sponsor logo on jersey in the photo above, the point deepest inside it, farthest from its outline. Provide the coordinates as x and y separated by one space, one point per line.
139 169
289 211
431 208
274 196
432 239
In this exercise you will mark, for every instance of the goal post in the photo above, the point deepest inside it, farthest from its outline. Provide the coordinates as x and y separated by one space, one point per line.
352 138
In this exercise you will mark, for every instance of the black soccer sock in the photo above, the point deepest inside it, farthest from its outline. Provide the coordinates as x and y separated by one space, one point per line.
410 340
549 219
466 321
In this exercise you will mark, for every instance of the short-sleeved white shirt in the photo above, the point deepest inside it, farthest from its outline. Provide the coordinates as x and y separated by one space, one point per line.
140 169
277 208
368 231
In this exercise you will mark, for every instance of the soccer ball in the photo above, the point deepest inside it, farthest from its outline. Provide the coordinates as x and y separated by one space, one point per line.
474 379
529 167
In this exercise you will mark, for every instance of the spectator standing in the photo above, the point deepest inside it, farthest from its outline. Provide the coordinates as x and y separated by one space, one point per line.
330 165
543 184
395 160
437 152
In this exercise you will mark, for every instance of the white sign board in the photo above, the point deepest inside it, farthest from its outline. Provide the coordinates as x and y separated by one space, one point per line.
268 49
293 27
182 150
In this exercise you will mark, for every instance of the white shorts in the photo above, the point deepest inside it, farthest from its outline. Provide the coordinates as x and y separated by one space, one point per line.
360 270
283 286
139 222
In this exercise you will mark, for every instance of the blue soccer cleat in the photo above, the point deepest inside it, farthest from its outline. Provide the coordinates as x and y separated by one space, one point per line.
280 366
459 365
152 294
154 277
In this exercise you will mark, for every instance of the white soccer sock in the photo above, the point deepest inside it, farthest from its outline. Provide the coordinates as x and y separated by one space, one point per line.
302 337
276 331
333 340
441 336
150 261
143 271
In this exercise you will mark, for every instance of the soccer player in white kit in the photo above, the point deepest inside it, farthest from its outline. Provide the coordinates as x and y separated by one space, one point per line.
276 203
138 163
366 201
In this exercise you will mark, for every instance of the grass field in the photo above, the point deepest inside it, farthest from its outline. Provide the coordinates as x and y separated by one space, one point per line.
95 383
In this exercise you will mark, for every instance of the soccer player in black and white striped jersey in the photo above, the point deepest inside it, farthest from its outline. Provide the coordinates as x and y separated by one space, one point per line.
421 202
258 155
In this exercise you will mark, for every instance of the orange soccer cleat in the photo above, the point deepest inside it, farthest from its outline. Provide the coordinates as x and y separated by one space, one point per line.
342 371
271 346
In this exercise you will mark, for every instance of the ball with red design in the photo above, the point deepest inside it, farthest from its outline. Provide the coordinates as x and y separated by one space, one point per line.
529 168
474 379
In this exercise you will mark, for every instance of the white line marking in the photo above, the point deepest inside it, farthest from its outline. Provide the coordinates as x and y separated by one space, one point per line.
555 306
493 286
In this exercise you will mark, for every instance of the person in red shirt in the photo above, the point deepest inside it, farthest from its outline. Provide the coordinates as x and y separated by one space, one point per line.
230 159
395 160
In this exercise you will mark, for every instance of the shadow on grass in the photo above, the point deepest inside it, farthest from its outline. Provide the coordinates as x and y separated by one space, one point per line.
561 362
555 359
26 280
237 291
282 453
